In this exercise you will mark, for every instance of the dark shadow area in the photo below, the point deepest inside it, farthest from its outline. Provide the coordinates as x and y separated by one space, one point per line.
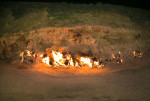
129 3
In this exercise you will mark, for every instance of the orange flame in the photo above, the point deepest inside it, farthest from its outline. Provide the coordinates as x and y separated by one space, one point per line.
71 62
46 60
29 53
21 55
58 58
86 61
113 56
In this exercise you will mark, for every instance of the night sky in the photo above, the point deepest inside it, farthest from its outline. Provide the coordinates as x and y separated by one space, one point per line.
129 3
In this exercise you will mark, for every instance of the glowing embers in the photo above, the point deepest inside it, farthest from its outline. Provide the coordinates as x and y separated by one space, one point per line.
137 54
117 58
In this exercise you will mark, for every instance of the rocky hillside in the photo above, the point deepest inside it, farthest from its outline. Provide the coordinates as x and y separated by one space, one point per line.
94 30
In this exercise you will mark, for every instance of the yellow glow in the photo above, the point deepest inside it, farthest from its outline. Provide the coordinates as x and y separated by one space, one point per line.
58 58
28 53
46 60
86 61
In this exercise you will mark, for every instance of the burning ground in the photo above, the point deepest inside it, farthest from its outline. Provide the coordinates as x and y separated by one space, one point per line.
72 47
95 46
74 52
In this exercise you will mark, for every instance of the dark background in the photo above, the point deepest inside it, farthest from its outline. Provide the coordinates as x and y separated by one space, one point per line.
144 4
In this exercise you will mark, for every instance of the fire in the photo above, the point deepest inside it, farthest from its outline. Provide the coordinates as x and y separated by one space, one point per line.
56 59
29 53
71 62
121 60
46 60
86 61
41 55
96 63
21 55
137 54
28 56
113 56
76 64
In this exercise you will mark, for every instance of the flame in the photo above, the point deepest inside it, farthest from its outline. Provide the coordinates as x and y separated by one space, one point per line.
76 63
113 56
86 61
119 53
58 58
96 63
121 60
21 55
71 62
41 55
134 53
46 60
29 53
34 55
137 54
